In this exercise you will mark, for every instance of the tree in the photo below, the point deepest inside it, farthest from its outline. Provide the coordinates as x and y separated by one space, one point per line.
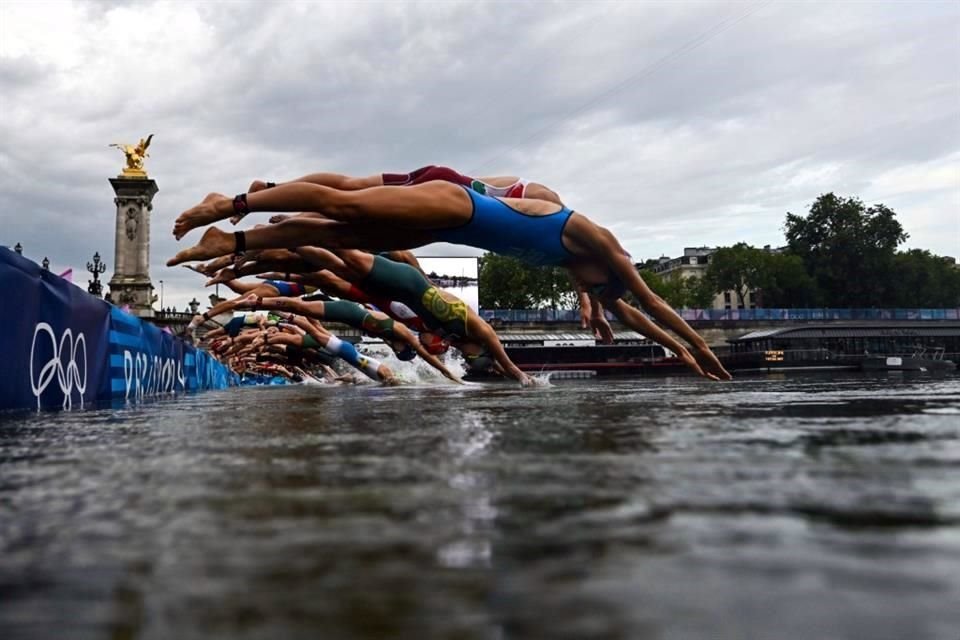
699 294
785 283
740 268
678 292
848 249
924 280
503 283
508 283
551 287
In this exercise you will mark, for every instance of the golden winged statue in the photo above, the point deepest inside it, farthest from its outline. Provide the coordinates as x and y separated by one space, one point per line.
135 155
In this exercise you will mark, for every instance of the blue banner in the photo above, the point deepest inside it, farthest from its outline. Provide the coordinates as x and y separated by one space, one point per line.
63 348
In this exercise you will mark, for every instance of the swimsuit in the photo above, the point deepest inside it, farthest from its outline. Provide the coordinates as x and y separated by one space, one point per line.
433 172
238 322
441 312
290 289
353 314
396 310
498 227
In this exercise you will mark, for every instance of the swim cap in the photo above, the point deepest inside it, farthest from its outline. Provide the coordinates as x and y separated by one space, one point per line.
482 362
434 344
612 289
406 352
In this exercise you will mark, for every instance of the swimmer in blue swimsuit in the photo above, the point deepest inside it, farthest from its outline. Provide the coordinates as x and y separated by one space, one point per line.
386 218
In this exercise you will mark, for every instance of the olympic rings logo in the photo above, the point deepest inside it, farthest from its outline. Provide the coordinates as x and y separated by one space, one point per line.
67 375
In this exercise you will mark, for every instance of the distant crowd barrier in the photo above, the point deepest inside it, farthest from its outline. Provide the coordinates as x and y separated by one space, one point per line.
63 348
737 315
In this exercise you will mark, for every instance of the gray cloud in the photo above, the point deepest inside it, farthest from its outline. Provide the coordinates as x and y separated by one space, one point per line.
675 124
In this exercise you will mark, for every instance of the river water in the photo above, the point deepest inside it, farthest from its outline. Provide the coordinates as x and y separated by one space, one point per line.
807 507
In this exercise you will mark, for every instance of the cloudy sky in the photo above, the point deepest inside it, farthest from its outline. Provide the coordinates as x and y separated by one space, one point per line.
673 123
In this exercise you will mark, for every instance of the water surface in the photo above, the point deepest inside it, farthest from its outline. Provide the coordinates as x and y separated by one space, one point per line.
768 507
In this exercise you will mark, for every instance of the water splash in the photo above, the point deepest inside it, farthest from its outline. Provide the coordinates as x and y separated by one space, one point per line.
417 371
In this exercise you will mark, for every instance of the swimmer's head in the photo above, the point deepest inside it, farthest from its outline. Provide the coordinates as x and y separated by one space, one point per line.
610 290
478 363
434 344
402 350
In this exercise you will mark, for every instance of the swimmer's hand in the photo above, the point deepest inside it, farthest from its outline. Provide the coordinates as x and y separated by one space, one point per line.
711 365
602 329
691 362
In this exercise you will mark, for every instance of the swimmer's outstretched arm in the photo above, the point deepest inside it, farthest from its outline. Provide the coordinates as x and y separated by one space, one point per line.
620 264
488 337
408 337
295 305
598 321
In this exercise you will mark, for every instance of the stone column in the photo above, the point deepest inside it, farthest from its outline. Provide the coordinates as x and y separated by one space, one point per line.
130 284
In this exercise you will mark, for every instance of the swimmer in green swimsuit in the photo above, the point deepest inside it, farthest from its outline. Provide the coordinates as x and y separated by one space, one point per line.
373 323
445 315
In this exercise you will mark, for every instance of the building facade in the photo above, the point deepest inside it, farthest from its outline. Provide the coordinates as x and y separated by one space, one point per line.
693 264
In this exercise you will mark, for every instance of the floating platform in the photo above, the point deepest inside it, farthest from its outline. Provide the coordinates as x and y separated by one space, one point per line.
630 354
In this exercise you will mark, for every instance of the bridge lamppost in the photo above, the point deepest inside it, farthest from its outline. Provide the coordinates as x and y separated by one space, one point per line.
19 249
46 263
96 268
161 296
194 305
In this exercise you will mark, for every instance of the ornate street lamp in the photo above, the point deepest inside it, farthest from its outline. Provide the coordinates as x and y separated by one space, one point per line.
194 306
161 296
19 249
46 263
96 268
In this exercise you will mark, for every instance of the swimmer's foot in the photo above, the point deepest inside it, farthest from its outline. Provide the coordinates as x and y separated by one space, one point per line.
200 215
224 275
195 269
213 244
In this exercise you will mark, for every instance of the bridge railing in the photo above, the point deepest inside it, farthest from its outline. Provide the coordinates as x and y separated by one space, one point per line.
736 315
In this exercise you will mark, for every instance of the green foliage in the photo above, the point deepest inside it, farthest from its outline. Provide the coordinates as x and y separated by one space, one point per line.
740 268
780 279
848 249
699 294
924 280
678 292
508 283
786 284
